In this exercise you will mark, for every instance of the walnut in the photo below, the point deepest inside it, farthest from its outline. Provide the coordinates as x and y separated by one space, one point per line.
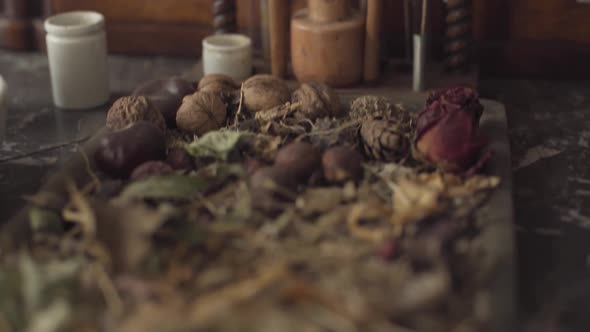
166 95
200 113
375 106
310 101
217 83
316 100
342 164
263 92
385 139
132 109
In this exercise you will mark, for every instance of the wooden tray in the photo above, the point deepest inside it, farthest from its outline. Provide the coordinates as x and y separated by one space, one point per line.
495 217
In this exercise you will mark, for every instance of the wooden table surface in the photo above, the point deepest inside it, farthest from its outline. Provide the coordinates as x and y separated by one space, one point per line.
548 126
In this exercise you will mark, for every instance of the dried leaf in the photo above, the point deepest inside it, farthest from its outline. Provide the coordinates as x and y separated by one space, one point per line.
414 201
43 220
178 187
125 231
316 201
217 144
264 147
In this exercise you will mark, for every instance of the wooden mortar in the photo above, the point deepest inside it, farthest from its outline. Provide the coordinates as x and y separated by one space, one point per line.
327 43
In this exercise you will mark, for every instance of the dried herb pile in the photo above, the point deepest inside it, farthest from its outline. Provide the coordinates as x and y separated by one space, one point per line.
263 209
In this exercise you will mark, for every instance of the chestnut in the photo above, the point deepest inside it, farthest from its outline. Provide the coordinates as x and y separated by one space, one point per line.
300 159
342 164
120 152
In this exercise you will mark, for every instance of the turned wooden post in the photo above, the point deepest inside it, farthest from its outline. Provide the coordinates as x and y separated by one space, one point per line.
225 16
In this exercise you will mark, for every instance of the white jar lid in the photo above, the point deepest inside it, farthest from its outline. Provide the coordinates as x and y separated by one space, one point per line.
74 23
227 42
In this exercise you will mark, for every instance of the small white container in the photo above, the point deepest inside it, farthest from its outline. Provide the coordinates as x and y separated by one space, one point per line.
77 52
3 109
228 54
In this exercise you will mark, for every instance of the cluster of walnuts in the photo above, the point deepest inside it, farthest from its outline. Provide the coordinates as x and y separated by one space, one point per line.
176 103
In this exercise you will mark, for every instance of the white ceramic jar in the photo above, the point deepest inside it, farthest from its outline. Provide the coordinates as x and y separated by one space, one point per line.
77 52
3 109
228 54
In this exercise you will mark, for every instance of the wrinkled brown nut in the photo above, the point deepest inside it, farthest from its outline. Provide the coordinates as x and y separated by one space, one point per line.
120 152
385 140
316 100
301 159
179 159
132 109
263 92
166 95
151 168
217 83
200 113
342 164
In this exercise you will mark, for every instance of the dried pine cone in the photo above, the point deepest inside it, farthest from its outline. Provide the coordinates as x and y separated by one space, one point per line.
384 139
132 109
375 106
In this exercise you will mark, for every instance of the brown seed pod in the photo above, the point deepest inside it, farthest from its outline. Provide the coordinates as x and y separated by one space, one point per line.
385 140
300 159
217 83
151 168
342 164
179 159
128 110
263 92
375 106
315 100
200 113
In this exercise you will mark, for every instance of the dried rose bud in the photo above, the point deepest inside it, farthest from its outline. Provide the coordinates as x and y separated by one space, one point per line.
441 102
151 168
342 164
452 143
179 159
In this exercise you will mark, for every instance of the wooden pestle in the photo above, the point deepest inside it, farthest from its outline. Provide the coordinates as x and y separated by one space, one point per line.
278 22
327 43
373 40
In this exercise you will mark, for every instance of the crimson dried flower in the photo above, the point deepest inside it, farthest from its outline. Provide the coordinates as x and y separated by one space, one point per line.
447 131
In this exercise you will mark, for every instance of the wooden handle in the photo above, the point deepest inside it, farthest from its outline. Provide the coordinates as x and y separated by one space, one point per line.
278 24
373 40
324 11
